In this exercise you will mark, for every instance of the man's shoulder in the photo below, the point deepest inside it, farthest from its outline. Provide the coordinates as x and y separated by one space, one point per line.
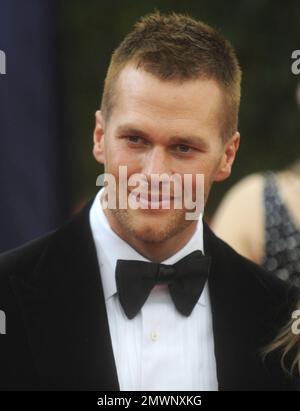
245 274
23 258
254 272
22 261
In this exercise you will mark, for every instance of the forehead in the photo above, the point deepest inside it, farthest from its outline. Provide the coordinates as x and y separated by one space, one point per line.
141 94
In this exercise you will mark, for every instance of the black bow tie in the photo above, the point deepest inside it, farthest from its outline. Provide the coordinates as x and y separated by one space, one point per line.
186 279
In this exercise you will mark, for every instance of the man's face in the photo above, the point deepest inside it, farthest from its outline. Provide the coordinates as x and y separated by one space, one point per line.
158 127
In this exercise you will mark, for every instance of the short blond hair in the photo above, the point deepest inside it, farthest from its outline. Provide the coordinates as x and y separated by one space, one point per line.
176 47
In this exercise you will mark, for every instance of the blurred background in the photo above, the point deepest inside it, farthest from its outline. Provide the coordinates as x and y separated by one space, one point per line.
57 53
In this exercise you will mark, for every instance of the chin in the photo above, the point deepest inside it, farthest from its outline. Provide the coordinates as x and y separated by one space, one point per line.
151 227
150 234
157 230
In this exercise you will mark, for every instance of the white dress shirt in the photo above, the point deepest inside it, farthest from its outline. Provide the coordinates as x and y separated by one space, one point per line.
159 349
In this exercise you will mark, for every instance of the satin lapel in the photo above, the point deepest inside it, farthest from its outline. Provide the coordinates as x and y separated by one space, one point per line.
238 323
65 314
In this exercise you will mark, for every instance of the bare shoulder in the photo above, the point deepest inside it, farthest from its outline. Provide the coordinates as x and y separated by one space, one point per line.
245 189
239 219
243 199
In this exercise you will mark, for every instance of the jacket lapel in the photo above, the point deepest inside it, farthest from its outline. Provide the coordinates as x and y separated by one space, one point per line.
223 322
64 312
243 319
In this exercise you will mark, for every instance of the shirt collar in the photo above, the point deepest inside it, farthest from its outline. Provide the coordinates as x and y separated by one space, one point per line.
110 247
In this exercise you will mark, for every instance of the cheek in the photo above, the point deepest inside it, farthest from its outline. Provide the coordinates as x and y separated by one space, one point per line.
209 167
205 168
208 170
116 157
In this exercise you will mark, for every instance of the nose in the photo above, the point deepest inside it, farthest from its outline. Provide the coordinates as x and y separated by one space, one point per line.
156 162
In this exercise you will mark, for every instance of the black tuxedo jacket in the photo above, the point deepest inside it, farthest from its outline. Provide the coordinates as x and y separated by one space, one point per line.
57 333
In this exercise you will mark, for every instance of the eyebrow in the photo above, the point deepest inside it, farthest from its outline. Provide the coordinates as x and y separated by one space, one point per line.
192 140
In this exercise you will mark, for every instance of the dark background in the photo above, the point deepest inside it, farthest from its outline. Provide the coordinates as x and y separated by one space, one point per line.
60 50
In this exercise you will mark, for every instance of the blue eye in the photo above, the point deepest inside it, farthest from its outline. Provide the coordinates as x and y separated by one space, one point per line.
183 148
134 139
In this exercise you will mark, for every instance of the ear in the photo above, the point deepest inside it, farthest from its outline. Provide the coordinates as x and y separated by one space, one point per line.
228 156
98 138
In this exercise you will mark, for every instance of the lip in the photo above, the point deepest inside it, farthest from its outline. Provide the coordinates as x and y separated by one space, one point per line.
158 197
155 197
159 200
144 202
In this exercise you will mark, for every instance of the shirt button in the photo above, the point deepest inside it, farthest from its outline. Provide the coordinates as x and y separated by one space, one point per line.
154 335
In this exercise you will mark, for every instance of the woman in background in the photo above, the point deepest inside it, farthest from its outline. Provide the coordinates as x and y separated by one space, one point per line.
260 218
288 344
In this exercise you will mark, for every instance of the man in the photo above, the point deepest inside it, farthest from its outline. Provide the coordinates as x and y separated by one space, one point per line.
77 313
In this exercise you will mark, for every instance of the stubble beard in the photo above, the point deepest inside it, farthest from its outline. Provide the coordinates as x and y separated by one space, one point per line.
167 226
